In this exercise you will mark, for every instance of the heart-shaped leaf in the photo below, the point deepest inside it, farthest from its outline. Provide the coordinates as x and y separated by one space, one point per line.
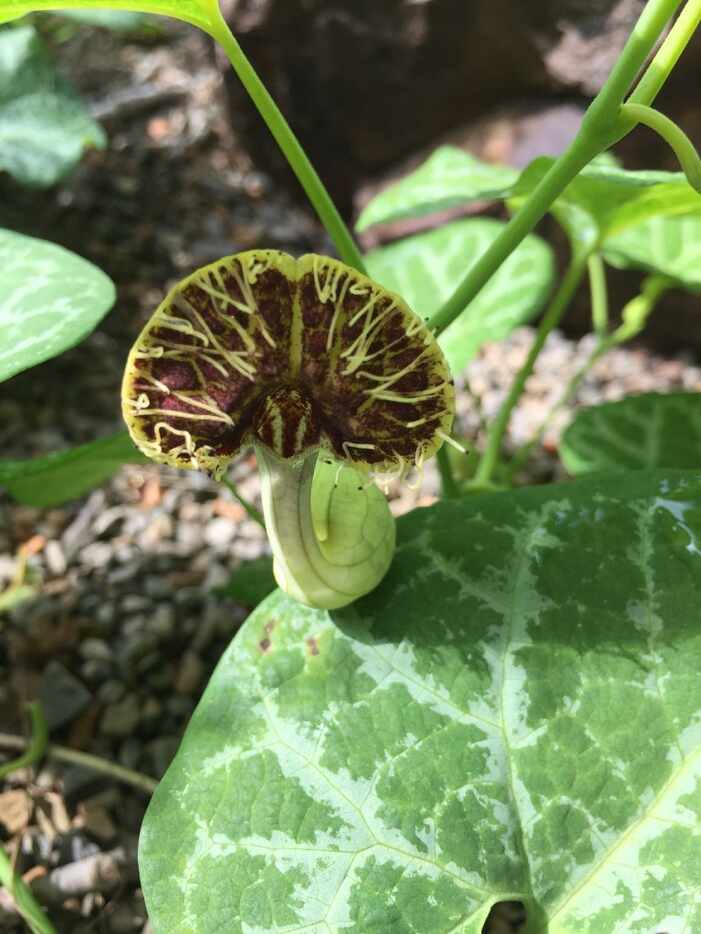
116 20
426 268
197 12
639 432
604 200
450 176
65 475
669 246
513 713
50 299
44 126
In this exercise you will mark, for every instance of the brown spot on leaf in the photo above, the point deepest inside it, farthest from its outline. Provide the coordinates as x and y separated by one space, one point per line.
264 644
312 646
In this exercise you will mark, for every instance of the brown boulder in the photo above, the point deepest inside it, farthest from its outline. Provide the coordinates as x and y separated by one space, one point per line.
365 83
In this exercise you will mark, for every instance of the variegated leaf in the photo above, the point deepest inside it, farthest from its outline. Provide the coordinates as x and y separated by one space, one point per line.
514 713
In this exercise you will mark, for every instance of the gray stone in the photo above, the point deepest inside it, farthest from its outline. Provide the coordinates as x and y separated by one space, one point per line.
95 670
63 697
111 691
122 718
135 603
55 558
162 621
95 649
190 672
162 751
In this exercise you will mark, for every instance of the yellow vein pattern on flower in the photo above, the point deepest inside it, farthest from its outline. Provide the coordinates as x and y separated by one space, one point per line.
294 355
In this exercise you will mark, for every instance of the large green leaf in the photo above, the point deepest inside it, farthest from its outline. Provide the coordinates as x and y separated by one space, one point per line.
450 176
514 713
44 126
117 20
196 12
670 246
50 299
604 200
65 475
426 268
639 432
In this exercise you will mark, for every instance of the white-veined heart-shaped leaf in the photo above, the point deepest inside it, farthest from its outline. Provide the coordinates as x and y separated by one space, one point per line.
50 299
513 714
636 433
425 270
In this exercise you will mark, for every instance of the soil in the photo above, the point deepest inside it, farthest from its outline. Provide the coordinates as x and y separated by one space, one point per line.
126 621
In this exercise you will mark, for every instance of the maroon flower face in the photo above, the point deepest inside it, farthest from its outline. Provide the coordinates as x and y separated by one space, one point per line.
291 354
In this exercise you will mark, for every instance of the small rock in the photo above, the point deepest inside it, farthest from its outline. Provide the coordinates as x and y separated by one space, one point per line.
219 533
97 822
96 554
130 752
55 558
157 588
162 620
15 810
94 670
95 649
189 674
133 603
179 706
152 710
122 718
127 917
63 697
104 616
111 691
162 751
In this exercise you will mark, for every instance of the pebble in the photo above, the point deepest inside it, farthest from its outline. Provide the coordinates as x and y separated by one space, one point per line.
162 620
96 555
122 718
95 670
219 533
95 649
133 603
63 697
55 558
190 672
111 691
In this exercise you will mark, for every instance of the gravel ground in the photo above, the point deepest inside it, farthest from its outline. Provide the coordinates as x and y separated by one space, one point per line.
126 624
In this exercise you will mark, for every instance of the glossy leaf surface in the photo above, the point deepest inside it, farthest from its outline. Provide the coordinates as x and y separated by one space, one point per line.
645 431
50 299
44 126
65 475
426 268
196 12
450 176
513 713
605 200
669 246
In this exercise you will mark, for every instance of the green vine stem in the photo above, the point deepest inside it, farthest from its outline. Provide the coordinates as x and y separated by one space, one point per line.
634 315
37 745
251 510
86 760
27 905
598 292
287 141
668 54
449 486
551 318
22 895
600 127
673 135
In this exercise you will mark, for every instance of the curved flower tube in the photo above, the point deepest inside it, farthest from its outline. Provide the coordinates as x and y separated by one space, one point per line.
328 375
